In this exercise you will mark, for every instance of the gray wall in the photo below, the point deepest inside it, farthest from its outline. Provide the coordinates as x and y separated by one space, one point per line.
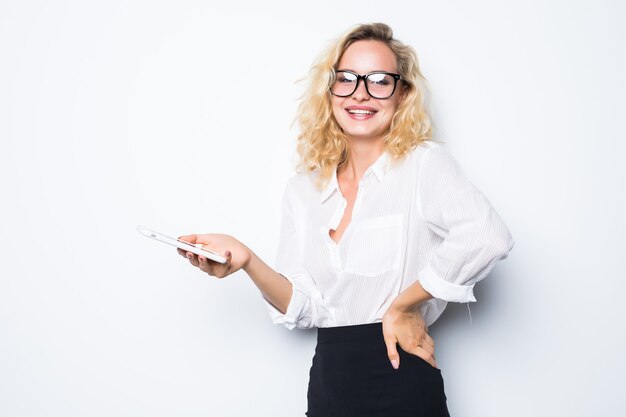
177 116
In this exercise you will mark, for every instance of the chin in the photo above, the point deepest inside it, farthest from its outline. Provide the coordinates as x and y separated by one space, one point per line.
363 138
362 134
362 130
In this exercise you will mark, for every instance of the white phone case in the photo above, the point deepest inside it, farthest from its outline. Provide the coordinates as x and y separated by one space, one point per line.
189 247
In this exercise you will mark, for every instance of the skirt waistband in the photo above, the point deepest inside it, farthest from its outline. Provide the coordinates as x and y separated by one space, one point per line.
350 333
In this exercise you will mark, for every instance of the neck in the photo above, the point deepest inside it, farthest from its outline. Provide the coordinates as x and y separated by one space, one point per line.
362 155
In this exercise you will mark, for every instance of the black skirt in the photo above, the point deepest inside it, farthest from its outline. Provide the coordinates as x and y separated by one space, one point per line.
351 375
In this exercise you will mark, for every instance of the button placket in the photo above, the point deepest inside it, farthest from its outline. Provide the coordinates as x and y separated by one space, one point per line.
338 214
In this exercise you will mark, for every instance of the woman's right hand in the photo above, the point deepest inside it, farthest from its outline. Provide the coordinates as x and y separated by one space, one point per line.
236 253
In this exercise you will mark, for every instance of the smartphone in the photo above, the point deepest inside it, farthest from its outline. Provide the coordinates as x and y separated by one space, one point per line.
189 247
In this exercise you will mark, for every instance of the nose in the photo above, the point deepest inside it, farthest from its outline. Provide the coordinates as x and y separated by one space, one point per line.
361 92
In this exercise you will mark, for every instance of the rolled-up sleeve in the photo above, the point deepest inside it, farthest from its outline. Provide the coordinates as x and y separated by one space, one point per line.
306 308
474 237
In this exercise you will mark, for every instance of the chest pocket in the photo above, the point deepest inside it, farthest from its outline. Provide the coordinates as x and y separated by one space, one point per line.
376 246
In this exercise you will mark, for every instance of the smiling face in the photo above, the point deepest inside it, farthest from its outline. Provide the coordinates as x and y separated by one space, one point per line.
361 116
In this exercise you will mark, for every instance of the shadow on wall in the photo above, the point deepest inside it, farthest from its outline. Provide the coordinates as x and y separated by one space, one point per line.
491 305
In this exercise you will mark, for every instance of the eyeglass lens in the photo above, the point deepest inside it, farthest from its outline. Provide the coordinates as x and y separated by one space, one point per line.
377 85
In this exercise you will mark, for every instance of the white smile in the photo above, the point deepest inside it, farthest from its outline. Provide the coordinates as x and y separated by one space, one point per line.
359 111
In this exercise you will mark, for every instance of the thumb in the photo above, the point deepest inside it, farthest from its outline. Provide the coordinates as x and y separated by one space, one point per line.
392 352
188 238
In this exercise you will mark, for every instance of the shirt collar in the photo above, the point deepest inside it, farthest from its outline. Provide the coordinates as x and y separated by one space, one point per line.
379 168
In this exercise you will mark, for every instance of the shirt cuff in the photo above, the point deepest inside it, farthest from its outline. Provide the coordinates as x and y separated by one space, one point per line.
445 290
296 305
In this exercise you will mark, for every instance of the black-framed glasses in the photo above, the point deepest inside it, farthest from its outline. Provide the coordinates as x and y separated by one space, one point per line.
379 84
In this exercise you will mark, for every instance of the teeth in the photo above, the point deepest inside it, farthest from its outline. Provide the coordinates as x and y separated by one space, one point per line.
359 111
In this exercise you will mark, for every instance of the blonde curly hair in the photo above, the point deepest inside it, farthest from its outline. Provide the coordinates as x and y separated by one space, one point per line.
321 142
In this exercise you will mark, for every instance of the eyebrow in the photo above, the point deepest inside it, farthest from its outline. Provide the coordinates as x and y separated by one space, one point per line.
369 72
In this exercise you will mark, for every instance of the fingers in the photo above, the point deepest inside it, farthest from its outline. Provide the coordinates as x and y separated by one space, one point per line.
425 349
427 346
193 259
425 352
426 355
209 266
215 269
429 340
392 351
204 265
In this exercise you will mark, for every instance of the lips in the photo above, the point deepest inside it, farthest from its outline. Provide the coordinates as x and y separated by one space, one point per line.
360 112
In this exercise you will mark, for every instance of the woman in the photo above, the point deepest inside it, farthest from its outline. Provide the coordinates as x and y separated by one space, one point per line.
379 230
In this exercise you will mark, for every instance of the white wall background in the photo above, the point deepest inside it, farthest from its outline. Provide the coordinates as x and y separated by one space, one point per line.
177 115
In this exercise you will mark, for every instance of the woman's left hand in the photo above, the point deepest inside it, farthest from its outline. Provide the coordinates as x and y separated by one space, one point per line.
408 329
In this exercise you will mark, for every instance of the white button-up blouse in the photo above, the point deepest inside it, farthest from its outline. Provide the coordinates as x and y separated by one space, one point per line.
416 219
